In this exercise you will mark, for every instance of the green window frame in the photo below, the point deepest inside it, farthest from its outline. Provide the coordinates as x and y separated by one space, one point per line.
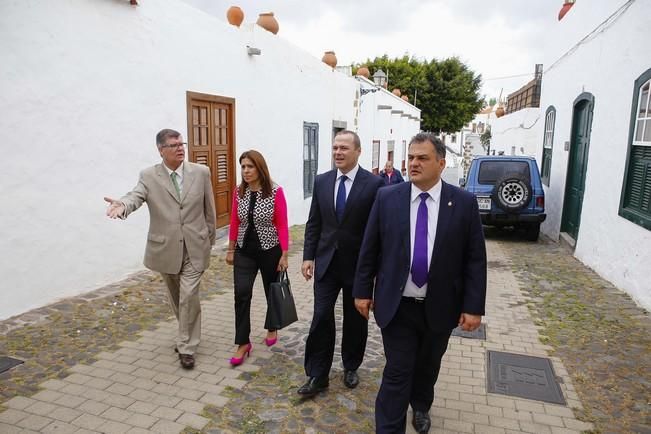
548 144
635 201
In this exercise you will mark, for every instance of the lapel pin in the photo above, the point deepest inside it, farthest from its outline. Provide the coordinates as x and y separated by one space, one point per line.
450 203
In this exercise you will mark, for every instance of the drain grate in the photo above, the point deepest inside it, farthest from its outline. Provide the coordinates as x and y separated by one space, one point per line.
480 333
6 363
523 376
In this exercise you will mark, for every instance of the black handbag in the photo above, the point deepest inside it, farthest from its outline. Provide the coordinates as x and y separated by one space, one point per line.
281 310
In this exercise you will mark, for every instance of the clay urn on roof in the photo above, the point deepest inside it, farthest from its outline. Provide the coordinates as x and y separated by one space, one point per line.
405 97
329 58
268 22
235 16
363 71
396 92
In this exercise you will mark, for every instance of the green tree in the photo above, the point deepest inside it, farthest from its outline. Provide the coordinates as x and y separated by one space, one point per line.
485 140
446 91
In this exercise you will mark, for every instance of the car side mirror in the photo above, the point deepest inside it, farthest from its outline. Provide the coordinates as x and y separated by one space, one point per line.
462 182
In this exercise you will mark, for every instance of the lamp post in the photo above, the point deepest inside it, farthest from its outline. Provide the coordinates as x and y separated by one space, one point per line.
380 78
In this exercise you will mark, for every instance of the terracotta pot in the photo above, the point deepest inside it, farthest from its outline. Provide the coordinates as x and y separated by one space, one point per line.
363 71
499 112
330 59
396 92
268 22
405 97
235 16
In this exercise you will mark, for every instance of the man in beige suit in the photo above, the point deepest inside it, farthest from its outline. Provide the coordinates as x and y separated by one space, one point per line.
181 231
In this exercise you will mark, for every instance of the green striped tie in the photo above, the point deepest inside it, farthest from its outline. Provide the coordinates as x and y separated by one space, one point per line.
176 184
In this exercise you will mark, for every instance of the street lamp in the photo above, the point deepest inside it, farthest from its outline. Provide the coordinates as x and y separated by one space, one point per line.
380 78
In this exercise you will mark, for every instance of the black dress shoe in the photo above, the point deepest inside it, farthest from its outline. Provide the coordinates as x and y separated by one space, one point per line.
187 361
313 386
351 379
421 422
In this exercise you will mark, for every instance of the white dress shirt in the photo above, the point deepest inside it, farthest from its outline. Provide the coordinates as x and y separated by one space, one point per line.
348 184
179 176
433 203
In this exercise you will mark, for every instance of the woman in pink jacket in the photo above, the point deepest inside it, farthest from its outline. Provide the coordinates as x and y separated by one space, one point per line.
258 240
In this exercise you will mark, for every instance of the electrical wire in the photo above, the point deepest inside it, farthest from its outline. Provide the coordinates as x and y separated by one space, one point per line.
508 76
603 26
521 127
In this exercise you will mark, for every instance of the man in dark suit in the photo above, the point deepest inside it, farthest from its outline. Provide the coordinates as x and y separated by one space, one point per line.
425 254
341 201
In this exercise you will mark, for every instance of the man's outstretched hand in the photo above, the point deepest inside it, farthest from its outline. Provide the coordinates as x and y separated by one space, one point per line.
115 209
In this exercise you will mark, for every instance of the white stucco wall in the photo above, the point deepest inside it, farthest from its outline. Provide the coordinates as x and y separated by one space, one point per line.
382 125
86 85
516 129
605 66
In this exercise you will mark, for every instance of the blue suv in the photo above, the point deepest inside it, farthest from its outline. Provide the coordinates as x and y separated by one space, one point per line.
508 191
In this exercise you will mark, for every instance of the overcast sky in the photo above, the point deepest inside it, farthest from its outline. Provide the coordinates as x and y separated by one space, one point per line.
494 38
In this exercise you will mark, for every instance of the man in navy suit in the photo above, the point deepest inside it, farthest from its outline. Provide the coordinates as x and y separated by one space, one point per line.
424 253
341 202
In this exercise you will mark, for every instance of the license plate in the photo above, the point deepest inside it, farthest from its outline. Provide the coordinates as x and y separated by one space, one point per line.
484 203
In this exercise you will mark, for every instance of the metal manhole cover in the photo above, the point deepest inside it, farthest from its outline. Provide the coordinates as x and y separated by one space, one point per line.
523 376
480 333
6 363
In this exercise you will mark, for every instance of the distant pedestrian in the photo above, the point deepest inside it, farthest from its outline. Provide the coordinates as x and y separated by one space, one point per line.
182 221
390 175
422 268
258 240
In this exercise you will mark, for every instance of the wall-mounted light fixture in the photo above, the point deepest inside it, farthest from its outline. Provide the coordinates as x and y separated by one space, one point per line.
252 51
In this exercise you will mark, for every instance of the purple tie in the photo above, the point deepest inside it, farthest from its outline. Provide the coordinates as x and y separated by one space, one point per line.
419 263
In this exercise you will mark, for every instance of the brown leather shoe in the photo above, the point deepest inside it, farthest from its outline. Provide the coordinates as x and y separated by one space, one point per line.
187 360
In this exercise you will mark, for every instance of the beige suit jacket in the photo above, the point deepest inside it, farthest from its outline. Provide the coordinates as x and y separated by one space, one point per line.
174 221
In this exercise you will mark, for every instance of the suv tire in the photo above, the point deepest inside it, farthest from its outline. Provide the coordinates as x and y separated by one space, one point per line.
512 192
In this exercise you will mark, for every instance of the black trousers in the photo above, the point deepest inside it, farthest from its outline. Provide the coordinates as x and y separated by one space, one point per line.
245 269
320 347
413 360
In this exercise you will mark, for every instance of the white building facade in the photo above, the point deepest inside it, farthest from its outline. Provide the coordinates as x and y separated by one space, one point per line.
594 145
85 86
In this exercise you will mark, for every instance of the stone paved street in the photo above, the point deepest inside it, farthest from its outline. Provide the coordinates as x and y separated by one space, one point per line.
104 362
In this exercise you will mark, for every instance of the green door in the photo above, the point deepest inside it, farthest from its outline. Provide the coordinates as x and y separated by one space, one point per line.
577 166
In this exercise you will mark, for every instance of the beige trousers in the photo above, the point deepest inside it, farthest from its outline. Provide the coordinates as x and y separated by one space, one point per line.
183 294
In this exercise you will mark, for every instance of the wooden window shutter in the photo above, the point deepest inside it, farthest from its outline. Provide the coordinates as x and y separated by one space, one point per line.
635 203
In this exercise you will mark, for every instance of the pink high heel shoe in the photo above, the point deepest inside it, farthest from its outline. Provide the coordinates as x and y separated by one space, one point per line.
236 361
272 341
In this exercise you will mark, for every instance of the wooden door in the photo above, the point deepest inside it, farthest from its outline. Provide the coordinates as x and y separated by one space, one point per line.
211 141
577 167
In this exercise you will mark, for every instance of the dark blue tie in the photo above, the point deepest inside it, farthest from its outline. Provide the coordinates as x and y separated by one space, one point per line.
340 205
419 262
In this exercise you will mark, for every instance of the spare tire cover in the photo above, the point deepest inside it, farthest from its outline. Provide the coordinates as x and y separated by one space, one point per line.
512 192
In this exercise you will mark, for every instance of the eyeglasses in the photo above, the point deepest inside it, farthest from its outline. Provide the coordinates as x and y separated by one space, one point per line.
174 145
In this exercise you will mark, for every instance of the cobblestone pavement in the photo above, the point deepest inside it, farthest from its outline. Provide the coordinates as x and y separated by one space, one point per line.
104 362
603 338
